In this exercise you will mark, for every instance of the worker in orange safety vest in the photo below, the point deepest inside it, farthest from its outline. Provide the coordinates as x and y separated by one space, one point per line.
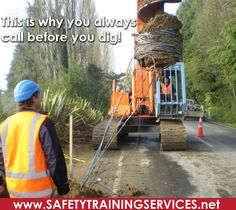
167 90
31 158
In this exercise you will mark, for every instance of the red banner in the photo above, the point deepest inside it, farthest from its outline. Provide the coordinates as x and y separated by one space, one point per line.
118 203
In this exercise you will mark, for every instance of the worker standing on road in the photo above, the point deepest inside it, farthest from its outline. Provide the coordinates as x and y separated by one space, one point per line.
33 160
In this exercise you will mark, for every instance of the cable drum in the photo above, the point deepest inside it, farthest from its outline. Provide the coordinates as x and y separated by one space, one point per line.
164 46
159 42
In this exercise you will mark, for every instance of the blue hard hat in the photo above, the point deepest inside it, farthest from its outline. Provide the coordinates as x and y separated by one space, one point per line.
24 90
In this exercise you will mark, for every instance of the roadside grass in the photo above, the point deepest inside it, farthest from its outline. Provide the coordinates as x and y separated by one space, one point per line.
232 125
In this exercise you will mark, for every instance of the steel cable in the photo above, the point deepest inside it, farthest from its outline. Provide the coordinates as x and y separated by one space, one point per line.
165 46
100 152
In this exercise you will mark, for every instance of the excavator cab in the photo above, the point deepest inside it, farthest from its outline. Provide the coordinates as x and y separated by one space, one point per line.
170 97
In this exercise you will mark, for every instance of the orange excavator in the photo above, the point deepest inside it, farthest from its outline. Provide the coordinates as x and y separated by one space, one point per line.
157 96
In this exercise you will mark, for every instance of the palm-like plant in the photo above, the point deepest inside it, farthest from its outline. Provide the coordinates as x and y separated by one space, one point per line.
60 106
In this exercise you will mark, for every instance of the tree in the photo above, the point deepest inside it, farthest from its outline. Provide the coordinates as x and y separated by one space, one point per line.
226 49
81 68
209 53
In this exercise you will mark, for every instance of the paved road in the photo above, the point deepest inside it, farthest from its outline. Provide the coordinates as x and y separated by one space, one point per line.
211 160
206 169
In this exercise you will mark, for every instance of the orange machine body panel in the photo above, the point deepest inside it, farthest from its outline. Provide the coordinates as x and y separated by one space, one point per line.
142 95
142 89
120 104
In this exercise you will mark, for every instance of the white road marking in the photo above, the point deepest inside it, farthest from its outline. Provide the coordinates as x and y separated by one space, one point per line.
116 184
204 142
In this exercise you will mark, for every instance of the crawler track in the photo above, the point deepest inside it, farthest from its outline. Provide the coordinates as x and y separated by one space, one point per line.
173 135
98 133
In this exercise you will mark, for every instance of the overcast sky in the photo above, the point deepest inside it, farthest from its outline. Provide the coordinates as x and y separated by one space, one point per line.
123 52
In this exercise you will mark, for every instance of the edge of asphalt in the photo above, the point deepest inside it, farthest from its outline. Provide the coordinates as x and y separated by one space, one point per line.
219 124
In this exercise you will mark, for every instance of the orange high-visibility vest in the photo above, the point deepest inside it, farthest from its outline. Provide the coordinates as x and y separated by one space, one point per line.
27 174
165 90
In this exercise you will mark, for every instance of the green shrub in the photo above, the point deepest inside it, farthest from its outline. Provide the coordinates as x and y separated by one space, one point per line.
60 106
90 83
221 114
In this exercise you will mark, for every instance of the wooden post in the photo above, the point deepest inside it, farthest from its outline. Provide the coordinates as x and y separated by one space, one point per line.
71 145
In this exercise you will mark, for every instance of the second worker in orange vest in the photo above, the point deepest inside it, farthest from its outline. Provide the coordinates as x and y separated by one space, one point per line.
167 91
31 157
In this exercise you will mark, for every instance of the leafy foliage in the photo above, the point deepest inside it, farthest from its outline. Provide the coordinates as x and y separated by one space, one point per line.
90 83
80 70
60 106
209 53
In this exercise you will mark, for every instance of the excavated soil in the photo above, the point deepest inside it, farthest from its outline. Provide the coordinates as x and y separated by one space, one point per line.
86 192
145 2
163 21
130 191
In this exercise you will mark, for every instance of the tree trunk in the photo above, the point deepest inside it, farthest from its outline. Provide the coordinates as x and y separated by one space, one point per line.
234 93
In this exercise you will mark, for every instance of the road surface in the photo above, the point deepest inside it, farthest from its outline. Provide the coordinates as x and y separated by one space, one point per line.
206 169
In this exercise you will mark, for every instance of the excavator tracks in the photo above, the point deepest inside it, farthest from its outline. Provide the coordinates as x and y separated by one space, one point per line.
98 133
173 135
